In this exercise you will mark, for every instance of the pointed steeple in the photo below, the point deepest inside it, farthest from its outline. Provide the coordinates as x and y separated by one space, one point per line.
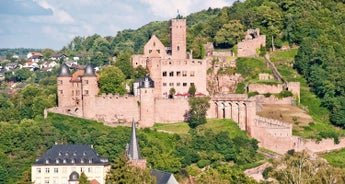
133 152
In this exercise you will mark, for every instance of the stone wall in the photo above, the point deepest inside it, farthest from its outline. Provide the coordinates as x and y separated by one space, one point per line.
115 108
253 41
314 146
273 134
171 110
261 99
265 88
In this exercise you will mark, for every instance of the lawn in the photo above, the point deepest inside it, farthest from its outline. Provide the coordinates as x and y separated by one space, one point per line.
335 158
284 56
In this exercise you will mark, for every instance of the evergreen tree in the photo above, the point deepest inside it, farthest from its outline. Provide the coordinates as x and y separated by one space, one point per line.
83 179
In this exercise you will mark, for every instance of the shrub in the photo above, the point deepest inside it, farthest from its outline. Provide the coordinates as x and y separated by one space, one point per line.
203 163
254 93
267 95
284 94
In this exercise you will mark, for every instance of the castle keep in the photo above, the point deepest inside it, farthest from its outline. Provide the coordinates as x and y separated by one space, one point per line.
169 67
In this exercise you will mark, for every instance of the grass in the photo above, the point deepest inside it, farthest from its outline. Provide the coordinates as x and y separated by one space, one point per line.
250 68
217 125
178 128
335 158
284 56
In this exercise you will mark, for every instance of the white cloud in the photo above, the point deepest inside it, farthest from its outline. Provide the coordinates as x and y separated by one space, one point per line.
59 16
168 8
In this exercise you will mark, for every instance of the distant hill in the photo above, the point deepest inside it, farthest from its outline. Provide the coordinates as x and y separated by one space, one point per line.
21 52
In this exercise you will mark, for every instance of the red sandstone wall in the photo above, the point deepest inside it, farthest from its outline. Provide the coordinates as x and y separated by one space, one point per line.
263 88
170 110
248 48
112 108
324 145
272 100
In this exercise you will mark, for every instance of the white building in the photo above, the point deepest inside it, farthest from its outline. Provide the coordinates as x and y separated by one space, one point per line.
63 164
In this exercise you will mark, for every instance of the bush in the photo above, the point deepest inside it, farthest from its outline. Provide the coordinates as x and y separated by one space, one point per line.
240 88
284 94
267 95
203 163
254 93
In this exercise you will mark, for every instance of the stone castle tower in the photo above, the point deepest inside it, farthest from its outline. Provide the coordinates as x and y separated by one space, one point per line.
147 103
178 38
89 91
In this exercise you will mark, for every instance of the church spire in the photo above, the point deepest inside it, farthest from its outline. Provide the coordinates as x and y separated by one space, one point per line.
133 152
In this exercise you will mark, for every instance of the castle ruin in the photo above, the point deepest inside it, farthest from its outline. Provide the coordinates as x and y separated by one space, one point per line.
169 67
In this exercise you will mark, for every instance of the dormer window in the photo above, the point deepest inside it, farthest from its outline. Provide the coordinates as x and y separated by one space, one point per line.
73 161
66 154
47 161
75 154
60 153
90 161
57 161
82 161
64 161
84 153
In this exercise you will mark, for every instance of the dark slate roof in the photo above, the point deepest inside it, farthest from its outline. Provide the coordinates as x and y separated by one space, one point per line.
161 176
64 71
141 82
71 154
133 151
89 71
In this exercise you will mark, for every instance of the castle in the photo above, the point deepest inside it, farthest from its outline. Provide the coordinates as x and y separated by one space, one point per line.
169 67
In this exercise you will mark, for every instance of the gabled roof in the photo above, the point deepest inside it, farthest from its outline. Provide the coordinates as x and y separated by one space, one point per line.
64 71
71 154
163 177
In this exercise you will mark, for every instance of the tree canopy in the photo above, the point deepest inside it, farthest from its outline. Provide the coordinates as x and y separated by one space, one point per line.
112 80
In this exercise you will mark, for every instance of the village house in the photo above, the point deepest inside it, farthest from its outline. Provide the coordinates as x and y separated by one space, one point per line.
35 56
64 164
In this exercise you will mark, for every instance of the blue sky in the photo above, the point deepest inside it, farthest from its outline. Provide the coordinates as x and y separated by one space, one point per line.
54 23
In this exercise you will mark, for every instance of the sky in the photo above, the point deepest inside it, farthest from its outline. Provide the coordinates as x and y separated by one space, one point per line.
54 23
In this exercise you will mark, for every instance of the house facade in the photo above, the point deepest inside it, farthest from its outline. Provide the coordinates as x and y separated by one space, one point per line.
63 164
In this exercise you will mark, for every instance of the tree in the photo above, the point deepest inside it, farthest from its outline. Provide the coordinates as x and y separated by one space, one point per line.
230 34
123 62
83 179
197 112
172 92
112 80
47 53
121 172
22 74
300 167
192 90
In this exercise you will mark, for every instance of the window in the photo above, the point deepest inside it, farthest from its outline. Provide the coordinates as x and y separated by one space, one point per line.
57 161
86 92
178 48
154 44
47 161
56 170
89 170
184 73
64 169
38 181
77 93
86 82
47 170
178 84
192 74
171 74
46 180
82 161
55 180
178 74
164 74
64 161
184 84
72 92
60 82
60 92
38 170
171 84
164 84
90 161
192 84
73 161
